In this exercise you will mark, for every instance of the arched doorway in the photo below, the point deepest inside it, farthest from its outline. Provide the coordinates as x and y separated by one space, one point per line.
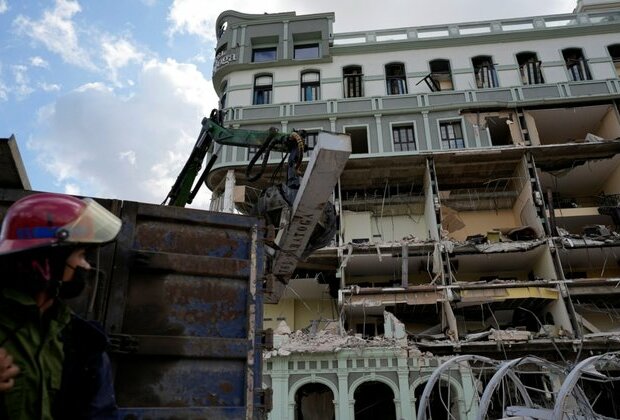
374 400
314 401
442 403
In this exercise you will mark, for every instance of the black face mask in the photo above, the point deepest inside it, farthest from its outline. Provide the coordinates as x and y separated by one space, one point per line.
73 288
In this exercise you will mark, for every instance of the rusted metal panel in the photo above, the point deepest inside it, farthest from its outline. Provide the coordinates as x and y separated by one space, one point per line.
188 311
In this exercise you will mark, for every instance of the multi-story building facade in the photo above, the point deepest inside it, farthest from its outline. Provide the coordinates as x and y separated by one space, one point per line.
478 211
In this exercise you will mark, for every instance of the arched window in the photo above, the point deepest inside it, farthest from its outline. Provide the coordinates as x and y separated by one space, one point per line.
314 401
263 87
310 86
374 400
352 81
530 68
484 71
614 52
441 74
396 79
576 64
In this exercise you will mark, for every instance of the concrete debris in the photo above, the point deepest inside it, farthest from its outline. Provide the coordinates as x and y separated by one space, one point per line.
282 328
394 328
509 335
327 342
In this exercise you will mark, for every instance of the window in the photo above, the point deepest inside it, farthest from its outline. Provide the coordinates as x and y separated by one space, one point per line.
223 88
221 29
530 68
311 138
614 52
352 81
484 70
262 89
403 137
305 52
396 79
576 64
441 75
260 55
310 86
359 139
451 135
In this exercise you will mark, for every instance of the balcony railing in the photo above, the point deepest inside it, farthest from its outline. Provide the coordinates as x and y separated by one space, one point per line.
475 29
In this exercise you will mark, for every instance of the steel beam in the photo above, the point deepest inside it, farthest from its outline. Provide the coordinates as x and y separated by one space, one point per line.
317 185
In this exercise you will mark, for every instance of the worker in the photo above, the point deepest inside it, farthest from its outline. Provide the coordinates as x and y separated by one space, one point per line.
53 363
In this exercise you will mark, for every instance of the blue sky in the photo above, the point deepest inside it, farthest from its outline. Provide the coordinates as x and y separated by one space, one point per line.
105 98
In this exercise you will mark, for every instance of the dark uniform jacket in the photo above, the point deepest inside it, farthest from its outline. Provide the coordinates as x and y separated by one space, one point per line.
64 370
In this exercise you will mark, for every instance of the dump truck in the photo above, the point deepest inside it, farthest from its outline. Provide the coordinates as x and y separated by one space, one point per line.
183 298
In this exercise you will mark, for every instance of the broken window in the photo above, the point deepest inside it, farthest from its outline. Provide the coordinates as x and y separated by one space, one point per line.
359 139
403 137
579 124
441 74
451 135
499 130
314 401
352 80
396 79
374 400
614 52
530 68
310 86
305 52
263 85
576 64
484 71
260 55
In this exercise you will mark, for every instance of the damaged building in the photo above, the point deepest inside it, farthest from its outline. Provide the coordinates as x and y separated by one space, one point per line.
476 268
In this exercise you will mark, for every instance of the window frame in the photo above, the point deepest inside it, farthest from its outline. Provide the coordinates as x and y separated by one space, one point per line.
389 79
312 130
262 88
523 63
346 76
437 83
461 120
615 62
312 84
367 127
264 48
224 93
401 124
492 68
586 67
307 45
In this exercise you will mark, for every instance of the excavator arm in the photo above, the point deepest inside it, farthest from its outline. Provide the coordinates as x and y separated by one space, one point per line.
300 207
185 189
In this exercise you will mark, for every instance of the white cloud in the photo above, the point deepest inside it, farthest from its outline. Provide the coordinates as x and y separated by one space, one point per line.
38 62
128 148
49 87
3 6
57 32
22 87
119 52
4 90
72 189
129 156
97 86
